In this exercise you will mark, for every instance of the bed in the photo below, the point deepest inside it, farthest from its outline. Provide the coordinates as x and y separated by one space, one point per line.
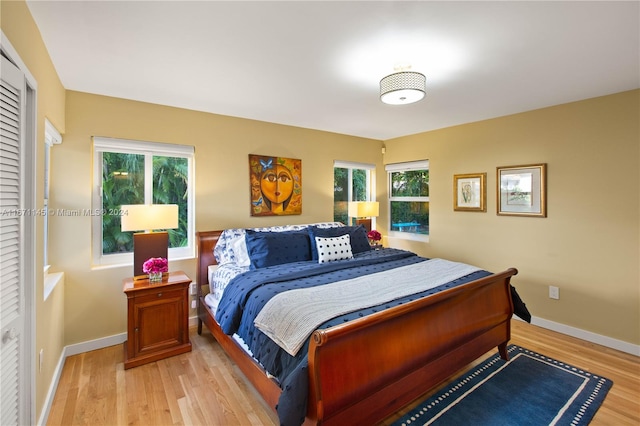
363 365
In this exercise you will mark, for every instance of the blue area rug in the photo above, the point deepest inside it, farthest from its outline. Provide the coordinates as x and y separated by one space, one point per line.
530 389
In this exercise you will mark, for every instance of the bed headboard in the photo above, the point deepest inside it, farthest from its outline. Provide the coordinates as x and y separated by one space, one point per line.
205 242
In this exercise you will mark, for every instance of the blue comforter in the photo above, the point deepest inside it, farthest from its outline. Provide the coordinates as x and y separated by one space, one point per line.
246 294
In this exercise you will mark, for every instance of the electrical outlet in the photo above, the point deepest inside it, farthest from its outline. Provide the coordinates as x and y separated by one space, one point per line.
554 292
194 304
193 289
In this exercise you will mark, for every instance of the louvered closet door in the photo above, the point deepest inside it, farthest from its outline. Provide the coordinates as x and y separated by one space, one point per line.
12 101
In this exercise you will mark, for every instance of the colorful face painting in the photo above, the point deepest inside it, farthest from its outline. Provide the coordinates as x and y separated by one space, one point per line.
276 185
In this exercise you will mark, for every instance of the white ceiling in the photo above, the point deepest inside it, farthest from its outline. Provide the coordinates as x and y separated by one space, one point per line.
318 64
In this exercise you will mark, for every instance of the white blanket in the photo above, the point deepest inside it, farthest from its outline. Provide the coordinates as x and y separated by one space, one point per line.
290 317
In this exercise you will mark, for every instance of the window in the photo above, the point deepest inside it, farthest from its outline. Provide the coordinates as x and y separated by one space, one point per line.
351 182
51 137
133 172
409 199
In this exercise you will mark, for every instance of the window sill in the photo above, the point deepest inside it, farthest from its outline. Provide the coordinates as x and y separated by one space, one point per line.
129 263
409 236
51 281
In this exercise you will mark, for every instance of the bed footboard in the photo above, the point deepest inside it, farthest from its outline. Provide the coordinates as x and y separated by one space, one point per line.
398 354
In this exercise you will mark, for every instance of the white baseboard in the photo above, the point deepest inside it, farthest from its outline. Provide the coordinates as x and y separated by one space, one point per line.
79 348
67 351
193 321
116 339
44 415
104 342
588 336
92 345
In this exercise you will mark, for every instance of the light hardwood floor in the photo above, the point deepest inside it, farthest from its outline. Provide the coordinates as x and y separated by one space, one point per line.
203 387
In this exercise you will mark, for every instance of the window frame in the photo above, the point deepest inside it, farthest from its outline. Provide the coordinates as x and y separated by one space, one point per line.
51 137
148 149
370 185
405 167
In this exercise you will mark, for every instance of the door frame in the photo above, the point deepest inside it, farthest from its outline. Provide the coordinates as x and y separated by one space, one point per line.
28 379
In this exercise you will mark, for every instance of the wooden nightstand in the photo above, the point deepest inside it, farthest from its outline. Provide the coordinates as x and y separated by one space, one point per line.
158 319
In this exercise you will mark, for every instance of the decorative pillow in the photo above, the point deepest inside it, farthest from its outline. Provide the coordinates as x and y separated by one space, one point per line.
357 234
334 248
224 252
275 248
240 251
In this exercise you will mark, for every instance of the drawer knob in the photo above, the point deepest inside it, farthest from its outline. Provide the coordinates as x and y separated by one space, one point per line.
159 294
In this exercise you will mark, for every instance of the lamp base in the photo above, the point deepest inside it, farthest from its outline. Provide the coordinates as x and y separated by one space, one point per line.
365 222
145 246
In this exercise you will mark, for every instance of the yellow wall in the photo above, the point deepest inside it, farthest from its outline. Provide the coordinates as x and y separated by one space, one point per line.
21 31
589 243
94 302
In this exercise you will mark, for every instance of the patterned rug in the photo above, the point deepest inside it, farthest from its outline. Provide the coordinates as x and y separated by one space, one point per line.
531 389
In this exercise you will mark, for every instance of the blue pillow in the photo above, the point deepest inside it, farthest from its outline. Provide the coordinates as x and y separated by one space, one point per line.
275 248
358 235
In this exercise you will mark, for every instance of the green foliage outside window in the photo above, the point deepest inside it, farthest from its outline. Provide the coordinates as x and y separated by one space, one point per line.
340 194
412 183
410 214
170 184
123 178
341 191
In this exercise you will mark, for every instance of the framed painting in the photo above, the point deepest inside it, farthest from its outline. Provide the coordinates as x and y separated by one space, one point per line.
522 190
469 192
276 185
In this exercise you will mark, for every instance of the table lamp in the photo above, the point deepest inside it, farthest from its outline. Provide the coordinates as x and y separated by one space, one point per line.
363 211
150 243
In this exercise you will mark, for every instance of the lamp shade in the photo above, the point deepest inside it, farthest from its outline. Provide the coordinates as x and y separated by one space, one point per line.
364 209
140 217
403 87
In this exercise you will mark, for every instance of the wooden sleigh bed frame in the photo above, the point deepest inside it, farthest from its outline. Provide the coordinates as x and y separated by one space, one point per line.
365 370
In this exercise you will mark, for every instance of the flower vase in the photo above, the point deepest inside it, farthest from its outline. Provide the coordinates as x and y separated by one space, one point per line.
155 277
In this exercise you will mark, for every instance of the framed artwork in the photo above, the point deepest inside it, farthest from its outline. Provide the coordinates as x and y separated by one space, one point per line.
276 185
469 192
522 190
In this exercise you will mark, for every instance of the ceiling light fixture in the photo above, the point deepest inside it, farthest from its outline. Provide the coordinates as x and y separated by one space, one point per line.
403 87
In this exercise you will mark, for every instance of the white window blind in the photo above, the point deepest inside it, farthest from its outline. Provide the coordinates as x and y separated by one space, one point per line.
353 165
409 165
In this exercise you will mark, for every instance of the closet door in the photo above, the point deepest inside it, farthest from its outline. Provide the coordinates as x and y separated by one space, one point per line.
14 408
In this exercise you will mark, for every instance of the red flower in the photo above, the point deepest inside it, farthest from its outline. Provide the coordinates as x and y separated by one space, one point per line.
155 264
374 235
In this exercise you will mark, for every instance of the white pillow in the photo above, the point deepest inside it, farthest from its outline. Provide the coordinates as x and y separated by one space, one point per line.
240 250
335 248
